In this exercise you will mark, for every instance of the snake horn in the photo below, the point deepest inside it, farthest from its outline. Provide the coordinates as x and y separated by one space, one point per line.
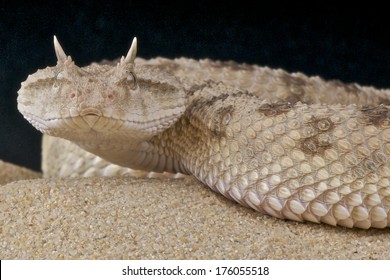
61 56
130 57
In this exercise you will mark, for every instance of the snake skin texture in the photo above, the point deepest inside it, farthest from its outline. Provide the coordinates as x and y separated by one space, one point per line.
291 146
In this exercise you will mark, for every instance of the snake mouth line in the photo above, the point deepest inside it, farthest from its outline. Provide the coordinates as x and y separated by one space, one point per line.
93 119
91 112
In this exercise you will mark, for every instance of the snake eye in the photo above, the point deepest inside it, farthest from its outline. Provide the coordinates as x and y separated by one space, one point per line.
132 80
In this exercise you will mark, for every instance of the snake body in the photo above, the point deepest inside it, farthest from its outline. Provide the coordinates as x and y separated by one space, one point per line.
288 145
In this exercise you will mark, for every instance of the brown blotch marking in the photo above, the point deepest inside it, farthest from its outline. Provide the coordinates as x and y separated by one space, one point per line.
232 65
218 127
296 86
314 144
204 103
359 93
198 87
197 117
376 115
197 108
243 93
274 109
350 88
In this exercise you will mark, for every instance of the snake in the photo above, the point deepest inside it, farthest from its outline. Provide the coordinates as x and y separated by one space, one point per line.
285 144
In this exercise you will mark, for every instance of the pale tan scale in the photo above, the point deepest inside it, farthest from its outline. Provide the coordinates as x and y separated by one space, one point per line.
236 127
310 217
253 176
268 136
351 160
257 126
385 191
266 157
284 192
307 180
357 138
322 174
344 145
318 161
263 188
337 168
352 125
384 184
251 133
360 213
243 169
287 142
340 212
234 171
332 197
372 199
354 199
287 145
372 178
384 171
305 168
336 119
243 140
298 155
264 171
275 203
296 206
370 130
267 123
386 134
275 180
321 187
348 222
331 155
329 219
347 178
374 143
277 150
335 183
275 168
318 209
237 158
292 173
378 214
253 198
259 145
253 164
286 162
294 184
308 195
370 189
246 121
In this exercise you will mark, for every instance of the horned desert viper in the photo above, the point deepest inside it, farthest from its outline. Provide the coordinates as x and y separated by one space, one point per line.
291 146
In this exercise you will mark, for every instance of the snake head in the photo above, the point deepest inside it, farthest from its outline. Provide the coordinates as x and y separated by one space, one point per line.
101 102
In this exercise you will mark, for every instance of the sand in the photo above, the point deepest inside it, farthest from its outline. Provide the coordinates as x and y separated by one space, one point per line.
127 218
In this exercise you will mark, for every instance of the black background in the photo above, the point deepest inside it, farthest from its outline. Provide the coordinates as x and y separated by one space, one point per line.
348 43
